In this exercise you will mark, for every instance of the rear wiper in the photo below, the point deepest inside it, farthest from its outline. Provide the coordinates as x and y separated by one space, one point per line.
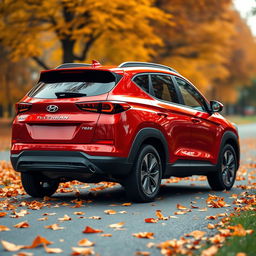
69 94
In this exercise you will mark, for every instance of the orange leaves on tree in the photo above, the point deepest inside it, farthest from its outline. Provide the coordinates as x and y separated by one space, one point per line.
91 230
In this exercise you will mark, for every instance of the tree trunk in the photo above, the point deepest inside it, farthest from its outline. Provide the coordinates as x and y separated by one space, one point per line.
67 50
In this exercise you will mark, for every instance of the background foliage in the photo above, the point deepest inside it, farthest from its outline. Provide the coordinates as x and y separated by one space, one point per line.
206 40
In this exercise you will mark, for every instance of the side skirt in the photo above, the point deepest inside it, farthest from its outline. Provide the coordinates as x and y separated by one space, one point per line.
184 168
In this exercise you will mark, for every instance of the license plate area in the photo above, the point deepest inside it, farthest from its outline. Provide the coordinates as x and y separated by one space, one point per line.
52 132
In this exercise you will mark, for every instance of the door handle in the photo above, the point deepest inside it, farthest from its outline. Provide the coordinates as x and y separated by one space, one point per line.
195 120
162 114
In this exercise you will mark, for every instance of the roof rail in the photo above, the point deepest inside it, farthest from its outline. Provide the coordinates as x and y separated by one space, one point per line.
144 64
73 65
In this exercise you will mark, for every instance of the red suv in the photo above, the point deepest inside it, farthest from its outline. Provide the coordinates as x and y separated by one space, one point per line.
135 124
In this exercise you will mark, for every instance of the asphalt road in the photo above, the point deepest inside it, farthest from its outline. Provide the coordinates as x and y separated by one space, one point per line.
122 242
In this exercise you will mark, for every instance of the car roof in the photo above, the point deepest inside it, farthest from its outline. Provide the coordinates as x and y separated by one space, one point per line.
126 64
127 67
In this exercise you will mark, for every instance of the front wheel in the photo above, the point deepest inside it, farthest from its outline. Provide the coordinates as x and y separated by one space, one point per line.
37 185
225 175
143 184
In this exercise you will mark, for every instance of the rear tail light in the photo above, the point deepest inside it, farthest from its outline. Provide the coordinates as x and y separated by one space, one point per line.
22 107
106 107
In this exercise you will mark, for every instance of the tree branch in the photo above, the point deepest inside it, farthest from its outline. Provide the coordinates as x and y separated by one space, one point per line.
40 62
87 46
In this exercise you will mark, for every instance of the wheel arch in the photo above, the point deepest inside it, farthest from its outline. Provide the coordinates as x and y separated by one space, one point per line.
154 137
232 139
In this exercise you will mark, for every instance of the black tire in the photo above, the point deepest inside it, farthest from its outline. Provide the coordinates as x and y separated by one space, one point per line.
38 186
225 175
144 181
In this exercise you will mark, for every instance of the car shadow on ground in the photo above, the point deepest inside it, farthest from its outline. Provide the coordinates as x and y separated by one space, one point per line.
117 196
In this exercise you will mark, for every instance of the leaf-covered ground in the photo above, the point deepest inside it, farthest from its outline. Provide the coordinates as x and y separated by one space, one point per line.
87 219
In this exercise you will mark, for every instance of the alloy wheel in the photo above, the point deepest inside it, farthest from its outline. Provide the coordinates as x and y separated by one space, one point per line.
228 167
150 172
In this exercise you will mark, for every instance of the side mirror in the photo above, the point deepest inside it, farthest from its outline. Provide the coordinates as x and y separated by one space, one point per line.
216 106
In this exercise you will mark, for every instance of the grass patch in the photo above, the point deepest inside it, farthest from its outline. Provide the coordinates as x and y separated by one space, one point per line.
242 119
246 244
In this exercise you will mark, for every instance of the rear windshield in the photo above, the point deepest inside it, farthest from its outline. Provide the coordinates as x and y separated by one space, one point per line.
74 83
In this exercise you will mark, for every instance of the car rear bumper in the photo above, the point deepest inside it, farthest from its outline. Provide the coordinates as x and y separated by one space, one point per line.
69 161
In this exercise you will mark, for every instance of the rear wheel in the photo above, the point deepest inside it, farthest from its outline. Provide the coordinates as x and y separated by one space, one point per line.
38 185
225 175
144 181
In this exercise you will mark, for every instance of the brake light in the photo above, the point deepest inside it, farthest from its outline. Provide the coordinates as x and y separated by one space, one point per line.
106 107
22 107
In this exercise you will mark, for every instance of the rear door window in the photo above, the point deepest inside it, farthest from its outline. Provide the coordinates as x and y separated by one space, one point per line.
163 88
73 83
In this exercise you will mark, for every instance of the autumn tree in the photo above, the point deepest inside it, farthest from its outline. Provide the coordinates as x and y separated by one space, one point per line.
15 80
199 43
206 40
73 27
241 62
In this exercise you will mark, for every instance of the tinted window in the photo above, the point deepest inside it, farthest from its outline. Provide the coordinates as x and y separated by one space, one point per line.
163 88
69 84
142 81
190 95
